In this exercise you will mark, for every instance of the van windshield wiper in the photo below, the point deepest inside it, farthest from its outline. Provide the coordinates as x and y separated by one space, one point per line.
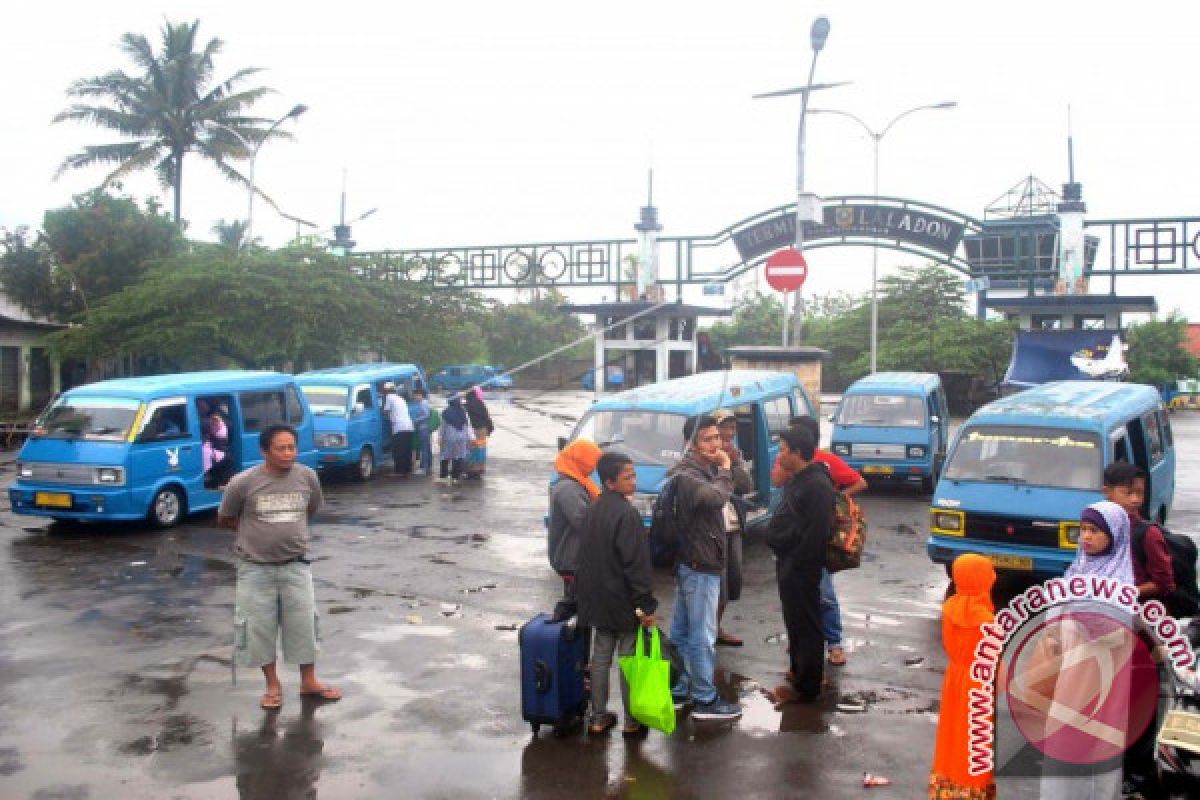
1004 478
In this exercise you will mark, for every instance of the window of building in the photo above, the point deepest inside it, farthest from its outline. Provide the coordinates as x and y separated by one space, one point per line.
1047 322
1089 322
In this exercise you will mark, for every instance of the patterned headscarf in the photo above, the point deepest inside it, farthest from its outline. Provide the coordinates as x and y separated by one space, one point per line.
1116 562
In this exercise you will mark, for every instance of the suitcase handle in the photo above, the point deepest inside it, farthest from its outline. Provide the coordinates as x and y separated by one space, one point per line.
543 676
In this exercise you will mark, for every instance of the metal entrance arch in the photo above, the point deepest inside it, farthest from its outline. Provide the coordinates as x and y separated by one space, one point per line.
909 226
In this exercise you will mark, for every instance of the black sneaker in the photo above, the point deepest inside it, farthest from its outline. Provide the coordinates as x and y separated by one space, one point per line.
717 709
680 701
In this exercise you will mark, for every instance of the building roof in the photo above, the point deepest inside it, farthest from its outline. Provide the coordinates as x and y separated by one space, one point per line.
13 314
1072 303
784 355
629 309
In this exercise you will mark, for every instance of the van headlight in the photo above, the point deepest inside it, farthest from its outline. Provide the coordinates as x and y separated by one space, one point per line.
330 440
24 470
1068 534
947 522
916 451
109 476
841 449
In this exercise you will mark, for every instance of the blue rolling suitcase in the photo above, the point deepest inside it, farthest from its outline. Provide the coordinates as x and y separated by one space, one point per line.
554 659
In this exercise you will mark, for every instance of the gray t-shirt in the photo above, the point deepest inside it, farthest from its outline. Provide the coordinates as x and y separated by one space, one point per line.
272 512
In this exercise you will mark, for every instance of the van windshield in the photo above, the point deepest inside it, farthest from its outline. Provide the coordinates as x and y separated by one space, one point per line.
327 400
648 437
882 410
1055 457
97 418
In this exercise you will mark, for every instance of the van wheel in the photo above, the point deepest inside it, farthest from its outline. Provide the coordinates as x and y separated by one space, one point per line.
167 507
366 465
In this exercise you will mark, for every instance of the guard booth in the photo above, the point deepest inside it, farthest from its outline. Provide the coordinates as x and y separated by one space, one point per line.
644 342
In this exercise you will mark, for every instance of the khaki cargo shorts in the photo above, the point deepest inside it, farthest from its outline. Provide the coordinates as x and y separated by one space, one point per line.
274 601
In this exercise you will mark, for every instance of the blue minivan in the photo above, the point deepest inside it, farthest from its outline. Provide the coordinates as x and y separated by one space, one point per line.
464 376
647 425
1022 468
351 432
132 448
893 426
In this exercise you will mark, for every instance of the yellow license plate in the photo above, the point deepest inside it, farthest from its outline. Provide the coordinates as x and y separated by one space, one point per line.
52 499
1012 562
878 469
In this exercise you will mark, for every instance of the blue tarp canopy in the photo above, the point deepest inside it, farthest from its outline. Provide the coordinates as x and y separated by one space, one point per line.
1043 356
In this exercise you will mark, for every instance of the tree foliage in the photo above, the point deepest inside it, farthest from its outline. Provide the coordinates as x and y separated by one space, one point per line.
290 308
520 332
1158 352
94 247
169 106
757 320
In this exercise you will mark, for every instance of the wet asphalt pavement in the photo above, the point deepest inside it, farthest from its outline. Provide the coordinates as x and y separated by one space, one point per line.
115 677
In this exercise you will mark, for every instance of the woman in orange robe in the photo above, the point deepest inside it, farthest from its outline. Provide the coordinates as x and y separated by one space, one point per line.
962 616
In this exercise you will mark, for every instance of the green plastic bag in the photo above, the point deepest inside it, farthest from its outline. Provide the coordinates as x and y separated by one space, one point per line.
649 678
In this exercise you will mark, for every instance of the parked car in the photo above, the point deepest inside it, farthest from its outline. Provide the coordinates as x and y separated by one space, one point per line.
464 376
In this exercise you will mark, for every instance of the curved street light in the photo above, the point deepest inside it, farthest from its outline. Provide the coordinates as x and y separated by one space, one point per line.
296 111
876 137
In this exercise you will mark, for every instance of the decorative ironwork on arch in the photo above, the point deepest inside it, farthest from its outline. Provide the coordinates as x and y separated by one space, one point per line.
909 226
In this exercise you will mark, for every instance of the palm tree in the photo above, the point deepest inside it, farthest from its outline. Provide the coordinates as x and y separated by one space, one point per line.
232 235
168 108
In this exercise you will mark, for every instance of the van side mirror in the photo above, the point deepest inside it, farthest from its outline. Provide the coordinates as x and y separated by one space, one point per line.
562 442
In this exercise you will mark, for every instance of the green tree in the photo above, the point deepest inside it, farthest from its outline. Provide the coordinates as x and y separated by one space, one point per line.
1158 351
519 332
287 308
232 235
168 107
757 320
98 245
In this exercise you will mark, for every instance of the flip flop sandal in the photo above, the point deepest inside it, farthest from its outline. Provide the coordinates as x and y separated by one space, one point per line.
602 724
271 701
640 732
329 693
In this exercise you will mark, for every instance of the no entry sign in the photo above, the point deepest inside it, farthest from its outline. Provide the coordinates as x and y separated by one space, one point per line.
786 270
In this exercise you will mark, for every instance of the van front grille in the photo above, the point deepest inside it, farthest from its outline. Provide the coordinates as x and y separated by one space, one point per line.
1012 530
44 472
893 452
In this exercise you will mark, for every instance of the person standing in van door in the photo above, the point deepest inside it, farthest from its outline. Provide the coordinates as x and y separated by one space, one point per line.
735 522
798 533
402 429
269 507
847 481
703 486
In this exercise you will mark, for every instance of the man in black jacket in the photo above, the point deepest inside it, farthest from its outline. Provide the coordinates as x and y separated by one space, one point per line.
799 534
614 583
703 486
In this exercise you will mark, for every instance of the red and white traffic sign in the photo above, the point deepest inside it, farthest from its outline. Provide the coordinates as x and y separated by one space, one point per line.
786 270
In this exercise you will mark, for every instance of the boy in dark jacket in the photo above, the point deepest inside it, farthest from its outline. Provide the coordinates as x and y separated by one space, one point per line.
1125 485
614 584
799 534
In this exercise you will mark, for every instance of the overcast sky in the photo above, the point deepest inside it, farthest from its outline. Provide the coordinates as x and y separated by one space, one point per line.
485 121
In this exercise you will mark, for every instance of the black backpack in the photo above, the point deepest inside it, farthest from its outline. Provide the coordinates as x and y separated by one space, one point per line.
666 527
1185 600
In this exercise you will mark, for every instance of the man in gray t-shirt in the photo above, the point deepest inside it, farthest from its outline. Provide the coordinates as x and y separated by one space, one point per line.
269 507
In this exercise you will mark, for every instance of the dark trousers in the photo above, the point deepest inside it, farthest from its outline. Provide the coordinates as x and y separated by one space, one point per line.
402 452
800 595
451 468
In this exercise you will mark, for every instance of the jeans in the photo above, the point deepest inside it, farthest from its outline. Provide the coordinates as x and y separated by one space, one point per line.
694 631
604 642
831 612
425 446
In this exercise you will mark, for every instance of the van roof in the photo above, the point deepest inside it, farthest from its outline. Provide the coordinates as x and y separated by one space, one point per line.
151 386
702 393
1096 405
358 373
898 382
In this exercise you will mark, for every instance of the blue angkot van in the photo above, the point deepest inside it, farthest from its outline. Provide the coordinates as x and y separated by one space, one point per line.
1022 468
893 426
131 448
647 425
350 429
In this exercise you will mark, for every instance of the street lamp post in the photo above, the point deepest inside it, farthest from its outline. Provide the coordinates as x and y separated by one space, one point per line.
817 34
876 137
296 111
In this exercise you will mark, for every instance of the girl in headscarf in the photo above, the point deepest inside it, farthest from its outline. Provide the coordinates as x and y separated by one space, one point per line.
570 497
481 423
455 440
1079 632
962 618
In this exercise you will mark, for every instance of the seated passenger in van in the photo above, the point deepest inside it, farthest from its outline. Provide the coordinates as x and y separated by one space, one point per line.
214 434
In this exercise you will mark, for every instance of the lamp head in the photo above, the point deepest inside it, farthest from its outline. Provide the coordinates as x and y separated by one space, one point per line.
819 33
297 110
947 104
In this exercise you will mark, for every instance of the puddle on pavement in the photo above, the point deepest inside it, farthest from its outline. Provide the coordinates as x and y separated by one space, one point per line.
487 587
10 761
341 609
178 730
426 532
